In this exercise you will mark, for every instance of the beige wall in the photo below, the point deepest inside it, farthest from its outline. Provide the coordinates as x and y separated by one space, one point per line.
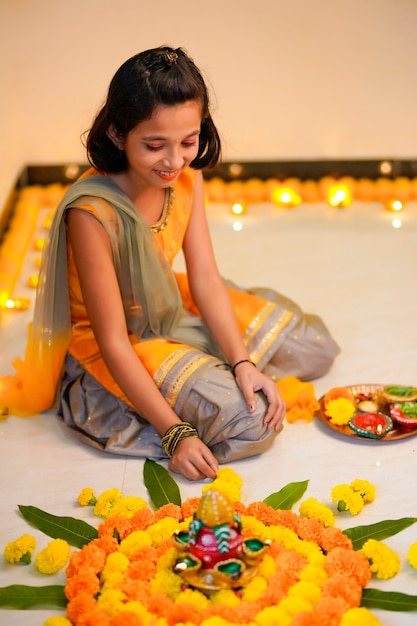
292 79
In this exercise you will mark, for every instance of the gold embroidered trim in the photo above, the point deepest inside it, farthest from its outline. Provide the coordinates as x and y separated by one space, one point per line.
196 361
168 364
270 336
258 321
172 393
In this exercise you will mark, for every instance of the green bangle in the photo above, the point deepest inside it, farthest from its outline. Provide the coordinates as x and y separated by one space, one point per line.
239 362
175 434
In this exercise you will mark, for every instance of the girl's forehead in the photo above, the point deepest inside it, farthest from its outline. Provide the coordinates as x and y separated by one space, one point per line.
168 119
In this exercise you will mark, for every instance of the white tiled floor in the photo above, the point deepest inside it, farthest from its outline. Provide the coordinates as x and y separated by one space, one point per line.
351 266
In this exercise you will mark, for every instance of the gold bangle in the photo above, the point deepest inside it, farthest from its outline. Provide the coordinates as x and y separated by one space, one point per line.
175 434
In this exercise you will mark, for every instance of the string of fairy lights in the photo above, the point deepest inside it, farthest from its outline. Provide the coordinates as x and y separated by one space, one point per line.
22 233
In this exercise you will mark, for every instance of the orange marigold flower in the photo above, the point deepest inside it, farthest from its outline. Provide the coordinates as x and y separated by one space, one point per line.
263 512
310 529
168 510
90 558
218 610
96 617
106 543
164 546
119 523
83 603
328 611
288 519
136 590
275 549
349 563
240 508
141 569
189 507
141 519
245 612
126 618
146 554
291 563
159 604
183 613
332 537
346 587
87 582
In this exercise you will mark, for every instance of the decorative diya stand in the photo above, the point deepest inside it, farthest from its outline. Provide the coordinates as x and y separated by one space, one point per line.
213 553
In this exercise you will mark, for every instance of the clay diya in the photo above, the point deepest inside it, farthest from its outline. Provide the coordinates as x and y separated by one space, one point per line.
213 553
373 425
404 413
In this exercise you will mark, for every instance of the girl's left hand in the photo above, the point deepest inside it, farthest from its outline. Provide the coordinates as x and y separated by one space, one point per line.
251 380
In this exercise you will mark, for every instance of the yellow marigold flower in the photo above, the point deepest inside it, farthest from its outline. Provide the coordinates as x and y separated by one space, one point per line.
347 499
106 501
254 588
54 557
167 582
313 573
308 590
193 597
226 597
134 542
128 506
267 566
412 555
111 601
359 617
340 411
385 563
312 552
285 536
163 529
57 620
20 550
252 526
273 616
215 621
87 497
365 488
116 562
167 560
228 482
112 581
137 607
294 604
313 509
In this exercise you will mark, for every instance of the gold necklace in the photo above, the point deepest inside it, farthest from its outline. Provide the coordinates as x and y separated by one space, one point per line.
166 210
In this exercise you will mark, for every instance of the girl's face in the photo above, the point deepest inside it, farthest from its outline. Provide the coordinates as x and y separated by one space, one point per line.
158 149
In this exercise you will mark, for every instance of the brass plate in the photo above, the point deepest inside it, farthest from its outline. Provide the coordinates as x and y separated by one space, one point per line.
397 432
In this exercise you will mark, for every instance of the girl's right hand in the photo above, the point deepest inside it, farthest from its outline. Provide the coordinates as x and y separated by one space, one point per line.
193 459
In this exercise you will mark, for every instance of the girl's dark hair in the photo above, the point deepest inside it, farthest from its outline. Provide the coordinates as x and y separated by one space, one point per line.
161 76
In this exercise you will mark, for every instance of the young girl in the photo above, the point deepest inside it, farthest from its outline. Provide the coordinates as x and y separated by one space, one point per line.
158 364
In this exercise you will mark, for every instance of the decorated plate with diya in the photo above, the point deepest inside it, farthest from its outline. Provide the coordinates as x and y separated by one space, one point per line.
372 412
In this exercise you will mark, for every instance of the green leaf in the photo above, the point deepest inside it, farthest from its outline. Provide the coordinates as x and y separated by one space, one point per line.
76 532
388 600
381 530
26 597
287 496
161 487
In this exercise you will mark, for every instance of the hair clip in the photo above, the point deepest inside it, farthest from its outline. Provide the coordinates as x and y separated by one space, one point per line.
171 58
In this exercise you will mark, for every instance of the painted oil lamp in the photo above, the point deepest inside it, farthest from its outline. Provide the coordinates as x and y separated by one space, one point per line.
213 555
